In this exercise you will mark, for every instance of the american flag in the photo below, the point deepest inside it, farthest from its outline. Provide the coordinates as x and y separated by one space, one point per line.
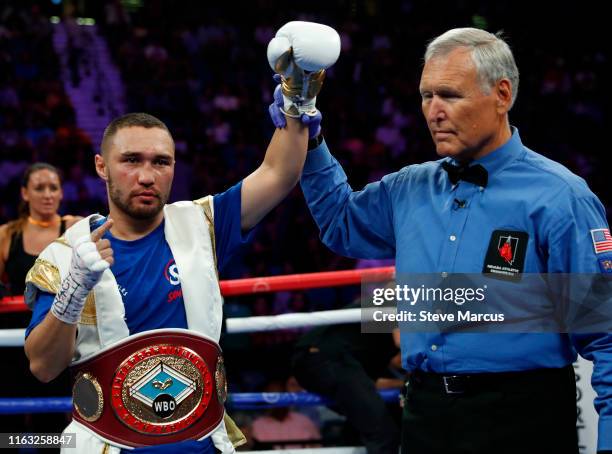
602 241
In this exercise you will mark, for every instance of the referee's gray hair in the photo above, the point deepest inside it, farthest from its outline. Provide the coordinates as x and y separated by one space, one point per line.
491 55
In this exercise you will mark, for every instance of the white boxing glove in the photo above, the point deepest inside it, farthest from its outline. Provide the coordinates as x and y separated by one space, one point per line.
86 269
301 52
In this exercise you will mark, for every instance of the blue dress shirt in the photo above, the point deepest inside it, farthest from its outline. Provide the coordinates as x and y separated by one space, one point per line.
411 215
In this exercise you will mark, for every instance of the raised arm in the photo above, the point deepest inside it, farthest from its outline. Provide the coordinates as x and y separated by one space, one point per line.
356 224
278 174
299 53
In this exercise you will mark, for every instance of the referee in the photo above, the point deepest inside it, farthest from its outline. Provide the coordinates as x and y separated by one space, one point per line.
489 205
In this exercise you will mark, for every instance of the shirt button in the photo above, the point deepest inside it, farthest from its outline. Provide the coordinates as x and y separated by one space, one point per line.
444 274
434 347
481 188
452 237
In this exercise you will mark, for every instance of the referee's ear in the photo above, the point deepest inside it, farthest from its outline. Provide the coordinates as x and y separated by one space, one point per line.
503 94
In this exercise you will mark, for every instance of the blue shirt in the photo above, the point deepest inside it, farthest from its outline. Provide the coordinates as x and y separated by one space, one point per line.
412 216
147 277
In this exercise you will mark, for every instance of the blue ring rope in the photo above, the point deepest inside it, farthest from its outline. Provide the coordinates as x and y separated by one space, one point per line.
235 401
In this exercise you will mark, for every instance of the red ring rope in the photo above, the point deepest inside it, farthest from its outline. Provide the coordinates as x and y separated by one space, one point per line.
253 285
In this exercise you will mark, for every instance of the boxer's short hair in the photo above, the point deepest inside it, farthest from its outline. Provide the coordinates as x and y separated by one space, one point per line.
129 120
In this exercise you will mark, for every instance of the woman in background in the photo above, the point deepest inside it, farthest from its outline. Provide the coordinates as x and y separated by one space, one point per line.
38 225
21 241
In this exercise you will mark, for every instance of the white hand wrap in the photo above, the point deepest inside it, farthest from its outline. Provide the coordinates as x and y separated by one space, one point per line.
301 52
86 269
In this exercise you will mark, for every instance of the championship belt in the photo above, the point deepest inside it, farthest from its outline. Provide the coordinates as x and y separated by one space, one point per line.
156 387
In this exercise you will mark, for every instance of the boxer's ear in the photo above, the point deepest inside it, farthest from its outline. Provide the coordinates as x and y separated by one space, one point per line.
101 168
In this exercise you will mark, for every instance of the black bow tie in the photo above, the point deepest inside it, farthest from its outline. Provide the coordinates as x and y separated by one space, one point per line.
476 174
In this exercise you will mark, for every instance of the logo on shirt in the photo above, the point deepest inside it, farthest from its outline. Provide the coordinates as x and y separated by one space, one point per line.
505 257
602 241
171 272
507 247
122 290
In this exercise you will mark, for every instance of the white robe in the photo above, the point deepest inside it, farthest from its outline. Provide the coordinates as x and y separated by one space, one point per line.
189 235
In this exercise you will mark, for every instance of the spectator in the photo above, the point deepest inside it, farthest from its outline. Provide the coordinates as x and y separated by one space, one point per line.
283 427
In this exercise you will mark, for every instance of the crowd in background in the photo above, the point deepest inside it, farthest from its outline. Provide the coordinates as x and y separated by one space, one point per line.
202 69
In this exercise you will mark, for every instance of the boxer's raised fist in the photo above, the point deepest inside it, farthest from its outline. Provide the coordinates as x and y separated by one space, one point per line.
301 52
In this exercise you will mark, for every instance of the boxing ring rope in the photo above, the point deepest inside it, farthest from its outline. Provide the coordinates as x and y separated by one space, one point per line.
236 401
250 286
15 337
305 281
12 304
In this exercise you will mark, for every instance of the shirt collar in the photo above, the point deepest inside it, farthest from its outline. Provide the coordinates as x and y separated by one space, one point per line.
502 156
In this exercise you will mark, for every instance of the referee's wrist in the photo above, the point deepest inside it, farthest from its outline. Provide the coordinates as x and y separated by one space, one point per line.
315 142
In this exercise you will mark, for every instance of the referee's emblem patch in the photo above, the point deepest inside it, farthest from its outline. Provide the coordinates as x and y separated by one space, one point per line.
605 265
506 254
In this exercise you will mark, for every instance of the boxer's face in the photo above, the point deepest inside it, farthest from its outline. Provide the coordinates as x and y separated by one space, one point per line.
464 121
138 169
